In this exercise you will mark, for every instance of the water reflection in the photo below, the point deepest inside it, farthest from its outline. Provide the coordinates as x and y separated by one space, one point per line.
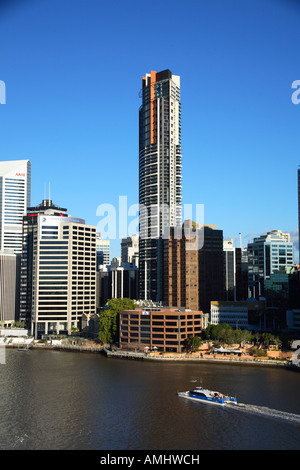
63 400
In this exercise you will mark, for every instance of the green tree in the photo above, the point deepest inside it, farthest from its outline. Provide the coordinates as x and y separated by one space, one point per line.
109 319
192 343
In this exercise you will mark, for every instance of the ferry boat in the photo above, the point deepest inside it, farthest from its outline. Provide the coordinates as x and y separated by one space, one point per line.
208 396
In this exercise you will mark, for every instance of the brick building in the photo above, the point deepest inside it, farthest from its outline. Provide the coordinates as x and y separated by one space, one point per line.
163 328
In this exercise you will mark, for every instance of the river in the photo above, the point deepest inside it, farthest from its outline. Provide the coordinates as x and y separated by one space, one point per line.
54 400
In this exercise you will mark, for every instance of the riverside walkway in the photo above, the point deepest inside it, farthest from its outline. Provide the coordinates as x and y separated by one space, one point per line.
123 354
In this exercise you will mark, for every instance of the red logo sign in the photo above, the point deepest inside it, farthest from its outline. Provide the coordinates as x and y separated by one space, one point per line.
20 174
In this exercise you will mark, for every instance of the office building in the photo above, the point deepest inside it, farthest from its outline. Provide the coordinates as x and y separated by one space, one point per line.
58 270
230 264
211 267
235 314
9 286
235 272
193 266
159 175
241 255
15 188
130 250
117 281
268 254
293 320
164 329
102 248
181 265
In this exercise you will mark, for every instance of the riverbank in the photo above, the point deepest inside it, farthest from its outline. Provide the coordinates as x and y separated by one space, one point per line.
120 354
158 357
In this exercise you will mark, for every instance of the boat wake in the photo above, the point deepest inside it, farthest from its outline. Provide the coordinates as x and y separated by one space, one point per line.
266 412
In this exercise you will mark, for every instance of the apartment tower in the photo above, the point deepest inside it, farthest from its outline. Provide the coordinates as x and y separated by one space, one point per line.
159 175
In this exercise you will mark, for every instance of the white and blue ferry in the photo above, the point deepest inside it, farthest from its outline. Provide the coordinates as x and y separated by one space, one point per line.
208 396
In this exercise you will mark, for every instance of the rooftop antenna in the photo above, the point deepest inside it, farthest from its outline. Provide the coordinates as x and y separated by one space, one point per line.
49 192
44 191
241 244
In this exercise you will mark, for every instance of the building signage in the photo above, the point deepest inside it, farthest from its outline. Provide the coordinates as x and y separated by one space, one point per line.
62 219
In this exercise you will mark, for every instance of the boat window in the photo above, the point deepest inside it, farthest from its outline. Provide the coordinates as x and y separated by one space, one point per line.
198 394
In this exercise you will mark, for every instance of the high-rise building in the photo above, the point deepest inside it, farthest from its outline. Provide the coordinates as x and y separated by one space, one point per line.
9 286
229 269
58 270
235 272
268 254
117 281
193 266
211 267
15 188
181 265
102 248
130 250
159 175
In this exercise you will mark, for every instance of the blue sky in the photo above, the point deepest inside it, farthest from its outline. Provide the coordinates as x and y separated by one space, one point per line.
73 71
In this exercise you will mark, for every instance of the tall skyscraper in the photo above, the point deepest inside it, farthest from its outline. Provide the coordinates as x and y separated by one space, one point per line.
15 189
159 175
58 270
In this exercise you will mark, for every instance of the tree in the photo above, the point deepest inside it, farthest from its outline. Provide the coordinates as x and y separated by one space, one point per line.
193 343
109 319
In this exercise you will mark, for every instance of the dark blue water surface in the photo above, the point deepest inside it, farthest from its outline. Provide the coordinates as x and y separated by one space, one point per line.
64 400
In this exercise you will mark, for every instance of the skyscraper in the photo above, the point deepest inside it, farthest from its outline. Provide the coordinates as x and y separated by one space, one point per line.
15 188
58 270
159 175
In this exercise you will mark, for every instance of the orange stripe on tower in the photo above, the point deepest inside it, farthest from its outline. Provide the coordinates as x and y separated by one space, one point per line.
152 123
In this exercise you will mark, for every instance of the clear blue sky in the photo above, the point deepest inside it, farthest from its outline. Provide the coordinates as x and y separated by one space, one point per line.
73 70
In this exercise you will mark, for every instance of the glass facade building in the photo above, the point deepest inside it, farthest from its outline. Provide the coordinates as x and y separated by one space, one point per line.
268 254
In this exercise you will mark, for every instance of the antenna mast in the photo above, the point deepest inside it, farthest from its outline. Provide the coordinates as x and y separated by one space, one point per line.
241 244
